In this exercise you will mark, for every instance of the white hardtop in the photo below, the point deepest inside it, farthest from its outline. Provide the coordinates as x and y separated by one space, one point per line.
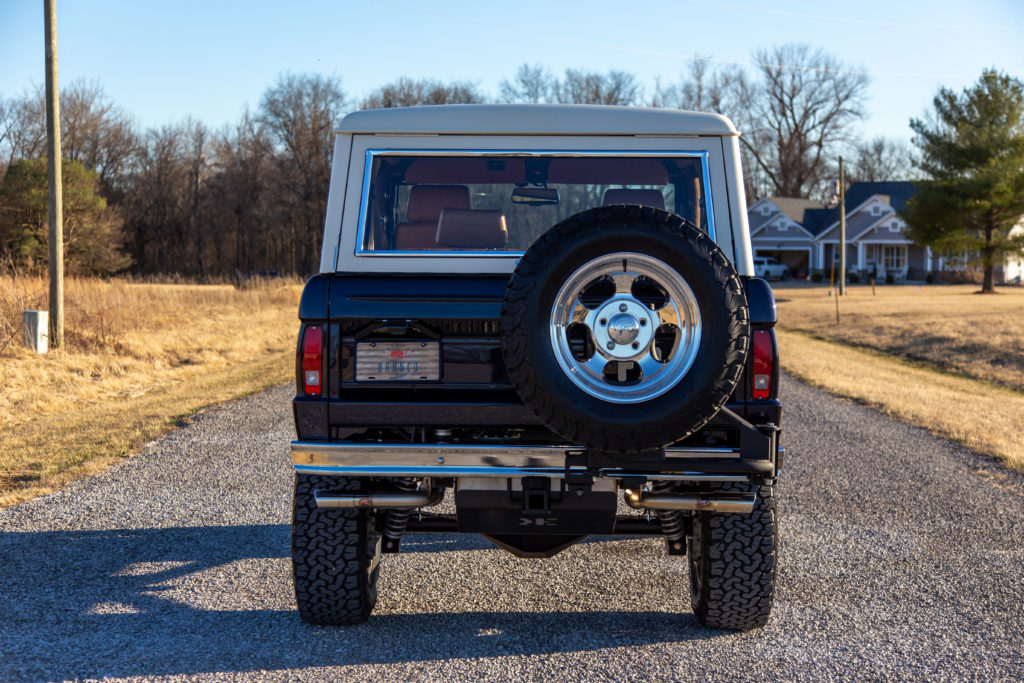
535 119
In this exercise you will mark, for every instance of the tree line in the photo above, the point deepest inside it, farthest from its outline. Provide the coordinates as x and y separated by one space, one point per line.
184 198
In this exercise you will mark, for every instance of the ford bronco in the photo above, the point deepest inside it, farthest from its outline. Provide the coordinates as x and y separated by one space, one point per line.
536 323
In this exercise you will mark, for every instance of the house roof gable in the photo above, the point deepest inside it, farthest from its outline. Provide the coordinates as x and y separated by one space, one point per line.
779 219
795 207
756 219
877 224
897 192
859 196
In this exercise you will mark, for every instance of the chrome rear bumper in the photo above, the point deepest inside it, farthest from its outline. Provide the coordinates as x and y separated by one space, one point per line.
471 460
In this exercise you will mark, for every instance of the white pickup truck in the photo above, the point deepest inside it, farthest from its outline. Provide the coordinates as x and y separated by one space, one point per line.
768 267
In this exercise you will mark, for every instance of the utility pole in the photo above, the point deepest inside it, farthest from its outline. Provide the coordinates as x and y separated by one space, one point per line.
842 229
53 171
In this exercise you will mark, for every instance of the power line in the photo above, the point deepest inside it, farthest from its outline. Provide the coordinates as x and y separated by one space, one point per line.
854 20
452 19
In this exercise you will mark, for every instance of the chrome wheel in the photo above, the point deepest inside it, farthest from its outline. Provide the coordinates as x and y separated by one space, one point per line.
625 327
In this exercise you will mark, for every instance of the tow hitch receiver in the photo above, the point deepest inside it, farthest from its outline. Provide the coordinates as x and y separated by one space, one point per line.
522 509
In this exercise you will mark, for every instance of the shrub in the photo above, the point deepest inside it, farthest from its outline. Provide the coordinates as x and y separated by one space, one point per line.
853 278
929 278
816 277
889 279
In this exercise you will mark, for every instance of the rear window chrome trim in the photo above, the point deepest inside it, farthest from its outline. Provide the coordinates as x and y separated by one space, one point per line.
364 199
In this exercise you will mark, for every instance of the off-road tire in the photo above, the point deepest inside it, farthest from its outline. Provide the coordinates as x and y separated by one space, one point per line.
732 563
333 552
581 418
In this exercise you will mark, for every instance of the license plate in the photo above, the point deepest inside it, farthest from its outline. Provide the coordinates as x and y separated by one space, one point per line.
414 361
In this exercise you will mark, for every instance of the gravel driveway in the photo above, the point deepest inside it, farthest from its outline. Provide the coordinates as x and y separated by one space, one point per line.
902 556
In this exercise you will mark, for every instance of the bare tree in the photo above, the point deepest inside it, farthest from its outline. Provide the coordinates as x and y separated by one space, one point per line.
8 124
155 202
408 92
592 87
880 159
94 131
197 162
299 113
97 132
23 124
800 113
532 83
704 88
239 194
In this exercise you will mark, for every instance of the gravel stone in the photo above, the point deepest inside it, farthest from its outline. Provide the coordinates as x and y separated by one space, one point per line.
900 557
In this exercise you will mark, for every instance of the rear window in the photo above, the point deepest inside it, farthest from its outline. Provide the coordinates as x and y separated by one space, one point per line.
500 202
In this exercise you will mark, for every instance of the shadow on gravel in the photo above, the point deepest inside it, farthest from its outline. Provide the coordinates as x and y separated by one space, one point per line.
89 604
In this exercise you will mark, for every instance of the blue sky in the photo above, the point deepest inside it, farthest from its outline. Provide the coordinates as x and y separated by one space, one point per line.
162 61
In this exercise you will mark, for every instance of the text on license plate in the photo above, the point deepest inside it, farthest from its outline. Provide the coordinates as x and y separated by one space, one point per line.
413 361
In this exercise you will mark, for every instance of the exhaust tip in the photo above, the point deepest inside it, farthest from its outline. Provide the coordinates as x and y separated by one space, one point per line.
382 499
739 503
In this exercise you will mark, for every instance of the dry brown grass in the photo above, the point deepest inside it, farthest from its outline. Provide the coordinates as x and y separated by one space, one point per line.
949 327
981 416
138 358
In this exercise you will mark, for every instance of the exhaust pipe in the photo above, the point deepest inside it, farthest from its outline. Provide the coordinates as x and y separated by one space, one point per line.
380 499
742 503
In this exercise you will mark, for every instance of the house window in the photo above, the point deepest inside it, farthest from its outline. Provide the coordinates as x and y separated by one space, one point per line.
876 210
895 227
765 210
894 256
783 227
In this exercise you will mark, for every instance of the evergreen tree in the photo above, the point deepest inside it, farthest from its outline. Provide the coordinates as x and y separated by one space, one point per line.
972 148
92 231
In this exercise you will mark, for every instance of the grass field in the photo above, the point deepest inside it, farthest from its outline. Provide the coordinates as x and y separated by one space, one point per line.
138 359
949 327
940 357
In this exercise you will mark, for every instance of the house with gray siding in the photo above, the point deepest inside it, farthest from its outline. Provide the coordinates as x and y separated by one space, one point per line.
804 234
777 230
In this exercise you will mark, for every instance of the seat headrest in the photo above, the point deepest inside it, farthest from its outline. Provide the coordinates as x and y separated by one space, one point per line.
415 236
427 201
468 229
652 198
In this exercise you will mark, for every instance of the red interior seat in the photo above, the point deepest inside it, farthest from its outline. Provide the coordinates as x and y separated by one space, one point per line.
426 202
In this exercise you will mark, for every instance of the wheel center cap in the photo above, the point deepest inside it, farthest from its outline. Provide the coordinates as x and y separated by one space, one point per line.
623 328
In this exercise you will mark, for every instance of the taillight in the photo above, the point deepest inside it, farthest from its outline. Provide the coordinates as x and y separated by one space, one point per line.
312 360
764 358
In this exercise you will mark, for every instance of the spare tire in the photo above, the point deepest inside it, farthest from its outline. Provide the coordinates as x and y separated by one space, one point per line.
624 329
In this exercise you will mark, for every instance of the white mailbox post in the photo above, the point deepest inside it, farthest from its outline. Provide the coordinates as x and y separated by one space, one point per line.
35 324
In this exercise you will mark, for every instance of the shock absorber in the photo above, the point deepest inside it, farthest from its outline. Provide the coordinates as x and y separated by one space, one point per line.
672 522
396 520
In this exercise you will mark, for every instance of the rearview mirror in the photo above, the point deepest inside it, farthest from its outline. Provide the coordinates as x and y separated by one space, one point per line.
535 196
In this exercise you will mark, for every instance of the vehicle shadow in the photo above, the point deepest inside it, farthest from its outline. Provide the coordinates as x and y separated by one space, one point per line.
81 604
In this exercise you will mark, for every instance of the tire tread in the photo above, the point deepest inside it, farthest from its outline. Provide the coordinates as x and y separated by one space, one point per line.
737 564
331 552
